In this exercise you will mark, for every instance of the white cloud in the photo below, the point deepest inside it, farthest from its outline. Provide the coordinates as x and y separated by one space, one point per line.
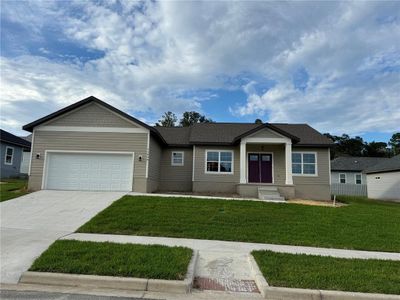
158 54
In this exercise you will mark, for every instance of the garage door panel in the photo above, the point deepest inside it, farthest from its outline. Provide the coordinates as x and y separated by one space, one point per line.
89 171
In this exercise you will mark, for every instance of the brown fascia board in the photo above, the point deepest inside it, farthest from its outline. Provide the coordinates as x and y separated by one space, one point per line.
315 145
295 139
29 127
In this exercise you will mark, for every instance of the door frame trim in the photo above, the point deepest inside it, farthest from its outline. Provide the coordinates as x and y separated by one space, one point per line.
47 152
247 165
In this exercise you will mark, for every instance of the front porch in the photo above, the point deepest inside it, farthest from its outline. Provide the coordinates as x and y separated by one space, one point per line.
266 167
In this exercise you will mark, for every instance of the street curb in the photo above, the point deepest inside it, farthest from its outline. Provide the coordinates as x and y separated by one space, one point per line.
259 278
282 293
112 282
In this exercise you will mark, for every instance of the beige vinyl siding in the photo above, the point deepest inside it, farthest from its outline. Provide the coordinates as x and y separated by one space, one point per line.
176 178
154 165
265 133
278 158
314 187
91 115
89 141
206 182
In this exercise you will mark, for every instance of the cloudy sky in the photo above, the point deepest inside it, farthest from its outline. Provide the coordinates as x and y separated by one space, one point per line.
334 65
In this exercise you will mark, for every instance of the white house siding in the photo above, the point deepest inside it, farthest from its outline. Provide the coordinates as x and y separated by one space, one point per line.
385 186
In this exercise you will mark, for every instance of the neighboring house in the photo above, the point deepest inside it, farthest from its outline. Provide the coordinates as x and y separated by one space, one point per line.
347 174
14 155
383 180
91 145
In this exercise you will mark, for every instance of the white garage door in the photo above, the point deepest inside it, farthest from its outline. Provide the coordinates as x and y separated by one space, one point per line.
88 171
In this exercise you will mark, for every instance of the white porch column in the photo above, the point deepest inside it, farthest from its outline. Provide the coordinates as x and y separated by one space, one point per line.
243 162
288 162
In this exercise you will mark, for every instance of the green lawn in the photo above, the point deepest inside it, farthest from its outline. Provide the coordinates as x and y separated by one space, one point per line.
366 225
111 259
13 188
328 273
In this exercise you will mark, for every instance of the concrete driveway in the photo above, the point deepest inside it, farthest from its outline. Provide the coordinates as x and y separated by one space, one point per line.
29 224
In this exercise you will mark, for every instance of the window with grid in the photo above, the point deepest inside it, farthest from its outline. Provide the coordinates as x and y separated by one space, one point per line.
219 161
177 158
9 156
304 163
342 178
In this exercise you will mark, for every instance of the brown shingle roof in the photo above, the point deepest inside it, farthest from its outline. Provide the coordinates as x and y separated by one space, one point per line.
355 163
389 165
228 134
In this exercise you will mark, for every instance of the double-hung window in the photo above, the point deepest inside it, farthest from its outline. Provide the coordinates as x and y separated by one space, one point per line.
304 163
358 179
9 156
218 161
342 178
177 158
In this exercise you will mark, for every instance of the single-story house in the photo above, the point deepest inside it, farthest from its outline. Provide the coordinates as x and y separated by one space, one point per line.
383 180
91 145
347 174
14 154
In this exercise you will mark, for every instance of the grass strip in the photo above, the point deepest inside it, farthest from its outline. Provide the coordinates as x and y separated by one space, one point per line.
329 273
112 259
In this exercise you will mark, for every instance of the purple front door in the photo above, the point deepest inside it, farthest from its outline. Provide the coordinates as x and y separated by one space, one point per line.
260 167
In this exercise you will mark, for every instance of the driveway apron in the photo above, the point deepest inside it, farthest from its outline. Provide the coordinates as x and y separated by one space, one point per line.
29 224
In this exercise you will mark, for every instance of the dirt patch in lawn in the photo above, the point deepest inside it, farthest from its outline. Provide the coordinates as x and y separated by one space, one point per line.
316 202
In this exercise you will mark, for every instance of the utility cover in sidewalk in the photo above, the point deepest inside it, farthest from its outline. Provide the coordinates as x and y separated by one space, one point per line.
224 272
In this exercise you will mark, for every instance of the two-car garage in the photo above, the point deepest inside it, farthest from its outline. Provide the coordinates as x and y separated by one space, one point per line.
91 171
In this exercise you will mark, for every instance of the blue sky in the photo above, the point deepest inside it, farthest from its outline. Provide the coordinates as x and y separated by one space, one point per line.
334 65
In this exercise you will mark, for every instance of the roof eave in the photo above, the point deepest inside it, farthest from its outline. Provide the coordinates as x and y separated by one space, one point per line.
16 144
315 145
382 171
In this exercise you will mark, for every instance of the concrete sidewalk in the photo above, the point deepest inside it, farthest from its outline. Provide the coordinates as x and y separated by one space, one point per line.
233 247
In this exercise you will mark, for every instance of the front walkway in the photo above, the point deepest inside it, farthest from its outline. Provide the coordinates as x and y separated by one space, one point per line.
234 247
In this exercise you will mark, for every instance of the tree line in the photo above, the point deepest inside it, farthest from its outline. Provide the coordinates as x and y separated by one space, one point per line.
356 146
344 144
169 119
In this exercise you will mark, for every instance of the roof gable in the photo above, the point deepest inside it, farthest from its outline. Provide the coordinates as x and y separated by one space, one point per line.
32 125
92 114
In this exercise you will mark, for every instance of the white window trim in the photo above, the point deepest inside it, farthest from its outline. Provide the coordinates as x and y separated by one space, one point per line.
219 161
302 163
12 156
345 178
355 179
177 164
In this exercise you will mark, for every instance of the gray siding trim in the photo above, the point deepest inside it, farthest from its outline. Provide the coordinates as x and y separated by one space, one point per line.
92 141
12 170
